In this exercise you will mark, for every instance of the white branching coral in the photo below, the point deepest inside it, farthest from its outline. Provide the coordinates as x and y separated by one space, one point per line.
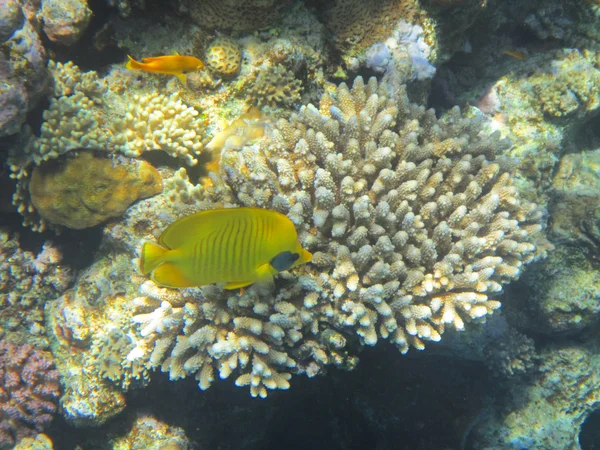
414 225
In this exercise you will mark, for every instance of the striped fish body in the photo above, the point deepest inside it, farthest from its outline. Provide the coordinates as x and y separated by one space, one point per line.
237 246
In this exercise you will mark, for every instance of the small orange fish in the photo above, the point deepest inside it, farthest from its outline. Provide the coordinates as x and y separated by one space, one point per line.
176 65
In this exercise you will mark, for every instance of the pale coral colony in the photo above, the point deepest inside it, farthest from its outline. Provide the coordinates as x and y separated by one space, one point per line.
417 222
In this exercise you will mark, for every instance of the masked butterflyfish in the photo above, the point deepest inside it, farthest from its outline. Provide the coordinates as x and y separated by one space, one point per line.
235 246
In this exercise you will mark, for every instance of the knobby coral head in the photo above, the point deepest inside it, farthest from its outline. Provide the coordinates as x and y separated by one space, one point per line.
413 221
29 391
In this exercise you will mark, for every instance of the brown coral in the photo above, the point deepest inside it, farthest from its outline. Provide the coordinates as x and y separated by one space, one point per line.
224 57
275 86
237 15
357 23
87 189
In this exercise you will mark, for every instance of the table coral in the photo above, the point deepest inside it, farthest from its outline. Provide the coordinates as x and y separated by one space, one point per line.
413 222
86 189
29 391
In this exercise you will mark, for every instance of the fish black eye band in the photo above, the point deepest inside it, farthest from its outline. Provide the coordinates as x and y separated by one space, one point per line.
284 260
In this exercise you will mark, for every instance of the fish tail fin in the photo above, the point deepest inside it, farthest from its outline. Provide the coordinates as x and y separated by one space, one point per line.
132 64
152 256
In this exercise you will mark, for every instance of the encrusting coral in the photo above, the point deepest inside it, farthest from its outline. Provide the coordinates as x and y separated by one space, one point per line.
275 86
414 225
84 189
237 15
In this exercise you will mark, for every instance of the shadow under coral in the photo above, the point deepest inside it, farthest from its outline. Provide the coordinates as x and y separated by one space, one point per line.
389 402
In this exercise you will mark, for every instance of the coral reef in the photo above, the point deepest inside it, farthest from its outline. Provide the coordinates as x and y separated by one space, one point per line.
22 66
39 442
86 113
413 223
85 190
92 334
405 50
511 354
148 432
275 86
547 412
29 390
224 57
27 282
563 294
235 15
575 200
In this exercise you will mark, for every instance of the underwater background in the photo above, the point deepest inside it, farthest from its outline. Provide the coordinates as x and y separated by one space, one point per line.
432 282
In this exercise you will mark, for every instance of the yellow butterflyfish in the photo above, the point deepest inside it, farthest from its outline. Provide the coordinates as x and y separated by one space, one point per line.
236 246
176 65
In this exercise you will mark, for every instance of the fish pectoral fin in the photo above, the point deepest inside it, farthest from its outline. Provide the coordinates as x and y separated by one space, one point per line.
181 78
265 274
237 284
170 275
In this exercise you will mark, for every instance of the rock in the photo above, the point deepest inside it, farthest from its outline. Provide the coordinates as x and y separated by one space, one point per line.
13 106
11 18
65 20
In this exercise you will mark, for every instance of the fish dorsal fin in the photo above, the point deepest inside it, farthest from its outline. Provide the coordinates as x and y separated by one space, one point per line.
152 59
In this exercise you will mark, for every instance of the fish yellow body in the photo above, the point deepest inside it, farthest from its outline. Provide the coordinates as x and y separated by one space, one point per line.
176 65
236 246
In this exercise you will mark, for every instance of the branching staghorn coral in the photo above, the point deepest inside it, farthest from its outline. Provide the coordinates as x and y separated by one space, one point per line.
413 222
